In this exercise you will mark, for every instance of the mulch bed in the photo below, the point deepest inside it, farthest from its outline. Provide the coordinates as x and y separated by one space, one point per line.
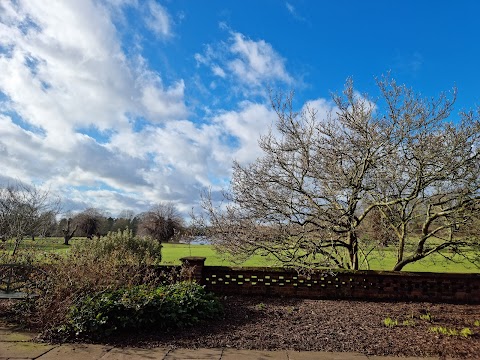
331 325
328 325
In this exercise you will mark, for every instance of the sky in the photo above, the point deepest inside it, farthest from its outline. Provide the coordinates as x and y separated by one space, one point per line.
122 104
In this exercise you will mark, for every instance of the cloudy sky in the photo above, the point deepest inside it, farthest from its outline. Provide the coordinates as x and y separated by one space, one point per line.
119 104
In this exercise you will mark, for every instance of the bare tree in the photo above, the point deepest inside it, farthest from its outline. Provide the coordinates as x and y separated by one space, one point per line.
25 211
305 200
89 222
434 179
47 223
162 222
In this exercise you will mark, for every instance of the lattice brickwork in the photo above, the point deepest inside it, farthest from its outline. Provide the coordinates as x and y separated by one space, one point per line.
344 285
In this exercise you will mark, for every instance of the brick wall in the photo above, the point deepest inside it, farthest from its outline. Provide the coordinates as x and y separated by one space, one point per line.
358 285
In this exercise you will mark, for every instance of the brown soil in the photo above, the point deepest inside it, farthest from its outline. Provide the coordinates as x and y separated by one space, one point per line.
329 325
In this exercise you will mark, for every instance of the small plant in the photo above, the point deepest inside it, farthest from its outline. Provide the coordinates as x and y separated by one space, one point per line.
465 332
261 306
476 323
427 316
443 330
408 323
389 322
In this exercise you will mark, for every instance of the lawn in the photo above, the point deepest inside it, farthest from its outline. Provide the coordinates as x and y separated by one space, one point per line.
172 253
381 261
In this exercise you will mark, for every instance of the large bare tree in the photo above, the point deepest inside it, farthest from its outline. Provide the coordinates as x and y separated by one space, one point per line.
305 200
26 210
162 222
89 222
432 181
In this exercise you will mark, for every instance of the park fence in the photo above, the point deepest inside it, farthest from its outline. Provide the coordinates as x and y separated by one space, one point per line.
335 284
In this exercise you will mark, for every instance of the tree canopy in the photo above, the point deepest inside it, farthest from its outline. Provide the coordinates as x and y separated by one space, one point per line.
162 222
400 157
26 211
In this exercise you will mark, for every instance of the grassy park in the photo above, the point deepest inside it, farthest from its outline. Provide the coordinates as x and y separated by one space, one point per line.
104 301
172 252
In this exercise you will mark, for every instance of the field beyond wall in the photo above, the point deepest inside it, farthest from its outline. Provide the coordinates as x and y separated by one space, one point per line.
171 254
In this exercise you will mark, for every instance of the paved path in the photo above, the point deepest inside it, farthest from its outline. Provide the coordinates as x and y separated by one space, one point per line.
15 344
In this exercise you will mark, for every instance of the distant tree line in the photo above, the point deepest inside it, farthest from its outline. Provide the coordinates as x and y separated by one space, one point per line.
30 212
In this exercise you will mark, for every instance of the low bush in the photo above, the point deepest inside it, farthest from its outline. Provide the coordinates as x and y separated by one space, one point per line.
123 246
118 260
166 307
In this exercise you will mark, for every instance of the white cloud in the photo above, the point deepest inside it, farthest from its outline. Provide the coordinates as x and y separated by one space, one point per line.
217 70
290 8
247 125
257 61
23 152
164 104
293 11
67 71
321 107
251 64
187 157
159 20
64 74
64 71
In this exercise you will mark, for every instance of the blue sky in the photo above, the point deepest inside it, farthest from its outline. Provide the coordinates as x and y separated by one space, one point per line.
120 104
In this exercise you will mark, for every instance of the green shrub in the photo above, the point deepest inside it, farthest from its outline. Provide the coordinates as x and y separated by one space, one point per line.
118 260
166 307
122 246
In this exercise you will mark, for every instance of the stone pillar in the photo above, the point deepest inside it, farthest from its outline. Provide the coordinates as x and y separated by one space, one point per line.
192 268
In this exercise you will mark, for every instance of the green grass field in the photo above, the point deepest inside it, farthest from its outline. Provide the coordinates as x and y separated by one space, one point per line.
171 254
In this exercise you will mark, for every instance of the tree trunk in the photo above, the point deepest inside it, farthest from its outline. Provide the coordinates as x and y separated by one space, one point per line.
353 250
401 264
400 251
67 234
17 244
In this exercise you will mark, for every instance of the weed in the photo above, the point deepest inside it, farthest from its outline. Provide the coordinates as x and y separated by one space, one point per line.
476 323
389 322
465 332
261 306
427 316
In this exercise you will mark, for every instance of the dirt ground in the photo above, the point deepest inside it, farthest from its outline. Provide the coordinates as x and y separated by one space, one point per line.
329 325
332 325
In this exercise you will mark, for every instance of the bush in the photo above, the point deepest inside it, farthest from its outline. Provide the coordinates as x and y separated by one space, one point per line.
125 248
166 307
118 260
